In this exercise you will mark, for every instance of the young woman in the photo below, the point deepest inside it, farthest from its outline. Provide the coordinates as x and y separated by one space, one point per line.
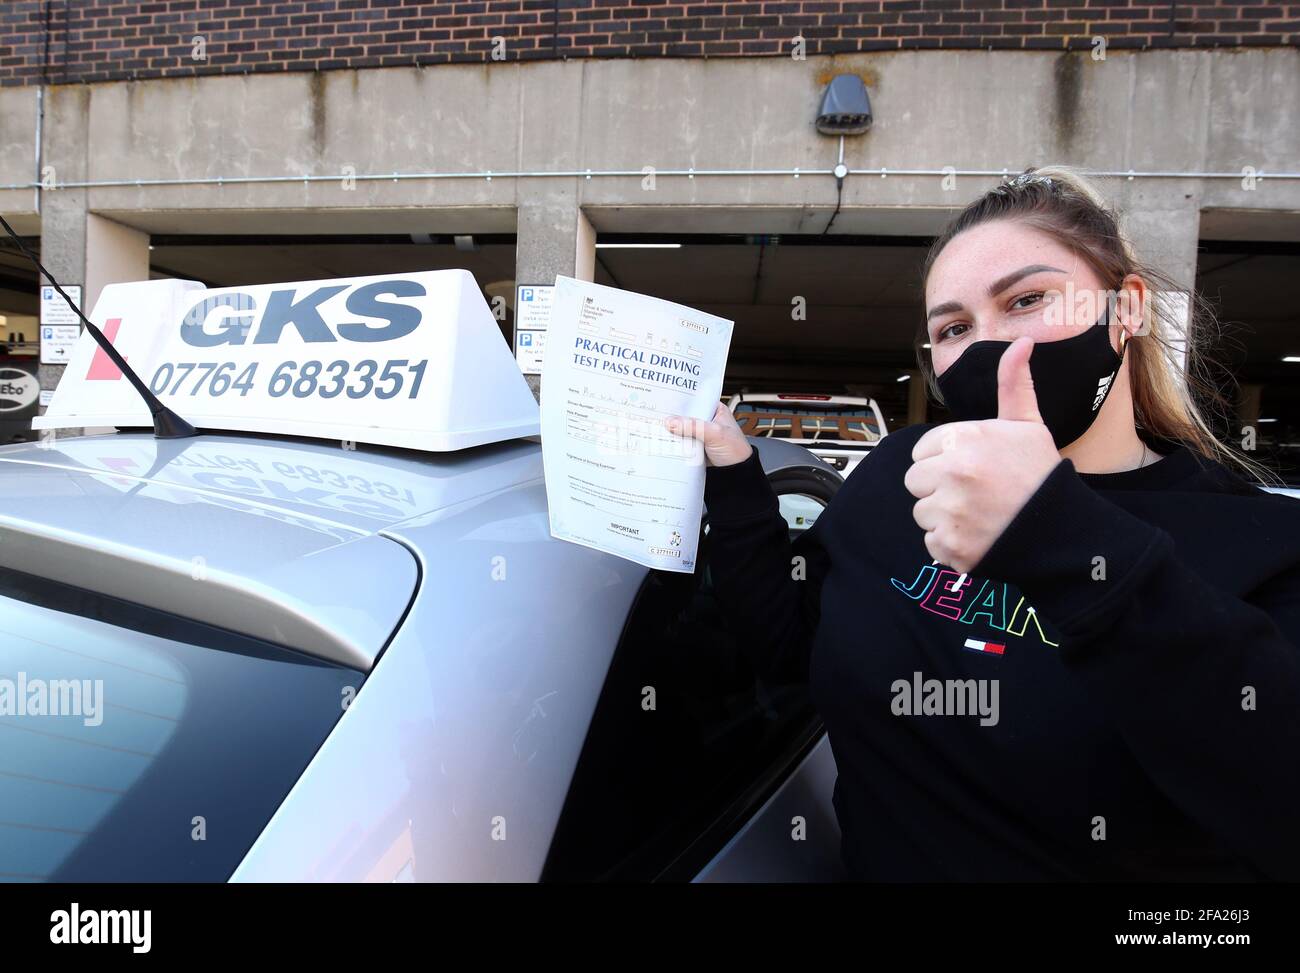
1056 638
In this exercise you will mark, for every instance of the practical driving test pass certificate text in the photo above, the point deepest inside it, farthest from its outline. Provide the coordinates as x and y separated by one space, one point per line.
616 364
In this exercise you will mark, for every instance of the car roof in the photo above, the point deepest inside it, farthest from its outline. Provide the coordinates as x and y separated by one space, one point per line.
279 539
366 488
300 542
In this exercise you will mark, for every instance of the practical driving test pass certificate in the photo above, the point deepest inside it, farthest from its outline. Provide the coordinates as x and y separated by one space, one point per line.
616 364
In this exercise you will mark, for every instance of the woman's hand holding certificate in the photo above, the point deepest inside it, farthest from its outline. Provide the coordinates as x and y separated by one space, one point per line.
724 443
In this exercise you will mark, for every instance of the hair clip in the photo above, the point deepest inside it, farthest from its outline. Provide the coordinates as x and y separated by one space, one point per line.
1027 179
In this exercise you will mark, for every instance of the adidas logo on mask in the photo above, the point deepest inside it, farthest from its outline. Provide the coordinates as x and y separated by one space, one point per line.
1102 386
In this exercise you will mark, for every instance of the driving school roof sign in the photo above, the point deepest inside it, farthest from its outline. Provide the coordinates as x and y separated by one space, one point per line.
410 360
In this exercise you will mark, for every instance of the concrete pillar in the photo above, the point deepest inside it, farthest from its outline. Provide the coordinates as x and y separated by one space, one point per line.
554 236
115 254
83 248
63 211
1165 231
79 247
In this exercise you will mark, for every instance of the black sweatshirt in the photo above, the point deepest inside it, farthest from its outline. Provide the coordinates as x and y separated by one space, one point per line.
1128 652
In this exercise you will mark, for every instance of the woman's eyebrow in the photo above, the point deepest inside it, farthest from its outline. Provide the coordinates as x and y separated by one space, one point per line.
944 308
996 288
1002 283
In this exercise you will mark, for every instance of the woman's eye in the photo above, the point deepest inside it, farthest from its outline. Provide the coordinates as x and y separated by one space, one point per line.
1032 299
947 332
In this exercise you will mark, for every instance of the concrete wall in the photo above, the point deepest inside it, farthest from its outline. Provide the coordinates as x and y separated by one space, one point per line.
1154 111
18 123
1178 110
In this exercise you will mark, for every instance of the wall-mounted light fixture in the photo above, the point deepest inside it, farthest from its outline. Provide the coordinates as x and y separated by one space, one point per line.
846 107
845 110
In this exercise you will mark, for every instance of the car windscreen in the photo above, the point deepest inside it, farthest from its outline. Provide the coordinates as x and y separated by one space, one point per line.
138 746
833 422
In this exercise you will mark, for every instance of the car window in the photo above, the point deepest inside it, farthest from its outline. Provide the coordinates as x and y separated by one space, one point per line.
658 792
137 746
808 422
821 427
867 430
774 427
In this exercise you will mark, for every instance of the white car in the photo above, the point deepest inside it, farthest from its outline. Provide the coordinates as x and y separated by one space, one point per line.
840 429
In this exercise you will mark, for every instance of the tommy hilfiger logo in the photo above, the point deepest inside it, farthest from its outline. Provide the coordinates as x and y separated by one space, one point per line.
998 605
989 648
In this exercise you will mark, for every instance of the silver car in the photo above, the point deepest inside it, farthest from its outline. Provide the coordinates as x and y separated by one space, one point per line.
240 657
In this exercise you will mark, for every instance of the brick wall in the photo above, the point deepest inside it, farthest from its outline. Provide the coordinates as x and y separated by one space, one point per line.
61 41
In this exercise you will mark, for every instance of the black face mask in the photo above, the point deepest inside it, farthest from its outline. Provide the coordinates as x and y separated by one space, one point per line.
1072 378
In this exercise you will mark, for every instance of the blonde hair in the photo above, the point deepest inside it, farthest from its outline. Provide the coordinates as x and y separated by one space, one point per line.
1064 204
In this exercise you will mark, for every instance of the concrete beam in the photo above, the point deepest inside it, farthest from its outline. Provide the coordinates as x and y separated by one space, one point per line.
966 109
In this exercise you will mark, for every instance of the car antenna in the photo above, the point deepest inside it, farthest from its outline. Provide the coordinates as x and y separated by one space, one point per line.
166 423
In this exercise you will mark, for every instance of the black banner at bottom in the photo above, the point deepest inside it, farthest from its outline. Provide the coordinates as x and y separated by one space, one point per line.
332 921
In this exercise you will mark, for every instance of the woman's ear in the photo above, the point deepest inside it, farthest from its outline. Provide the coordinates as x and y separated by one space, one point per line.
1131 306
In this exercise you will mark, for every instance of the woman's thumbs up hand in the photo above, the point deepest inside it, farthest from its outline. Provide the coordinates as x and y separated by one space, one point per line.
1016 397
724 443
972 478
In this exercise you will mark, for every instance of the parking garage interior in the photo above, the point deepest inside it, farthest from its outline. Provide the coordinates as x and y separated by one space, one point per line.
815 312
